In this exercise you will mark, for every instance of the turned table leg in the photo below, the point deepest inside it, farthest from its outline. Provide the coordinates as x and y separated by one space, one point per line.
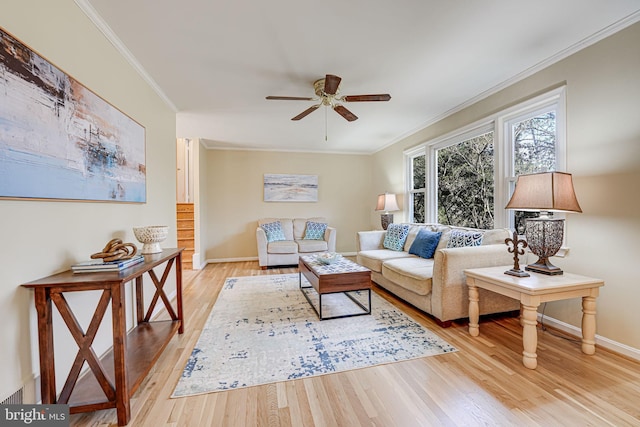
474 310
589 325
529 335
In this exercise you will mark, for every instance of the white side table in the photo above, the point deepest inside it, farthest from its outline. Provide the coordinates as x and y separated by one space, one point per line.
531 292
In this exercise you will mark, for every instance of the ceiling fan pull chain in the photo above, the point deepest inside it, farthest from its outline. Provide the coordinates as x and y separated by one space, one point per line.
326 137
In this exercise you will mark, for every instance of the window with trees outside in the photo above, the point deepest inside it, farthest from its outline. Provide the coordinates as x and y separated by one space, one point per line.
417 192
467 177
534 150
465 182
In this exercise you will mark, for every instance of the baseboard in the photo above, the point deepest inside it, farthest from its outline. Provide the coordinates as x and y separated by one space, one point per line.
616 347
255 258
240 259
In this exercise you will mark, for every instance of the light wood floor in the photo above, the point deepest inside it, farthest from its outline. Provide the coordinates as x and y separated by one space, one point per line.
483 384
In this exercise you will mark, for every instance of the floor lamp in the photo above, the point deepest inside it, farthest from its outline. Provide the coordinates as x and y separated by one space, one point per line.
387 202
544 192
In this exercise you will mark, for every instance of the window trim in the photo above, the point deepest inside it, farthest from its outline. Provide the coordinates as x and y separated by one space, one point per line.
504 180
408 201
504 170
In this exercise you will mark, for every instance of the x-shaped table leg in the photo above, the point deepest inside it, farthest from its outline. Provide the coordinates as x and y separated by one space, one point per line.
84 341
159 284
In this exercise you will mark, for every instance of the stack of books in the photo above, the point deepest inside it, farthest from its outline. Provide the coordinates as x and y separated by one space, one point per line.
97 265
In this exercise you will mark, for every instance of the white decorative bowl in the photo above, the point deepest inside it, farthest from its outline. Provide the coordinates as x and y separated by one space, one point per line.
328 257
150 236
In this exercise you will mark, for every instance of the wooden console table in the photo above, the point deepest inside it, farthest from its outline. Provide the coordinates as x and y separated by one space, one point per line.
531 292
120 372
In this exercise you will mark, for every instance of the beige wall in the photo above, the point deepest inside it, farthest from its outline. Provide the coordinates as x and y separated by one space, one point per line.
233 195
603 139
40 238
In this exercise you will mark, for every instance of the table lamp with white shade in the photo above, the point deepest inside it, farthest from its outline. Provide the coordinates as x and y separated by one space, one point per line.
544 192
387 202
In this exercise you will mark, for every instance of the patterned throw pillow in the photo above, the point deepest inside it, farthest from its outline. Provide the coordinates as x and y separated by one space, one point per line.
396 236
425 243
315 230
460 239
274 231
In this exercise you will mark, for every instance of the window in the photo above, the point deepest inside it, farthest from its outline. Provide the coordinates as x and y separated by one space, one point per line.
417 192
465 182
466 178
534 150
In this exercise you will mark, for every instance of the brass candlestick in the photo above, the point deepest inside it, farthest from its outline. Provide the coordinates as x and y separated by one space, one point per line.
515 250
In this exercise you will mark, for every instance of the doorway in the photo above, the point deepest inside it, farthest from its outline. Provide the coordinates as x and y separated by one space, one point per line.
186 201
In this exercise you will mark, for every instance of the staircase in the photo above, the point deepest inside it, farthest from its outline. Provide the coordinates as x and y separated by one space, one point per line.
184 215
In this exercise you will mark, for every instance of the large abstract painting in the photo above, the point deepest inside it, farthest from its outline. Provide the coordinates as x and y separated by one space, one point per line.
58 139
290 188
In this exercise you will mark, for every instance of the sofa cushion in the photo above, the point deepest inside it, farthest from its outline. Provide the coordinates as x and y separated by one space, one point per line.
495 236
396 236
299 225
374 258
273 231
286 223
412 273
414 229
461 239
282 247
308 245
444 239
425 243
315 230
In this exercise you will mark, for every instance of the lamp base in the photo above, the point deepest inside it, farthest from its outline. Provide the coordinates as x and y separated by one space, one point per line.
543 266
544 237
386 219
517 273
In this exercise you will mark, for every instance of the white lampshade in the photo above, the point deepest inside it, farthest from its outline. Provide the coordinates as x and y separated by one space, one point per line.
387 202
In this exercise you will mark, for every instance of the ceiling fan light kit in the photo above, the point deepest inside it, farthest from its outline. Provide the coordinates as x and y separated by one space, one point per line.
328 94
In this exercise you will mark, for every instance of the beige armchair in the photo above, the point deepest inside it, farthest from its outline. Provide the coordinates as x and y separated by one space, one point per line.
287 251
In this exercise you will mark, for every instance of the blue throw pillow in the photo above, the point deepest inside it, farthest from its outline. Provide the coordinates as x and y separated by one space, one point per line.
274 231
396 236
425 243
315 230
460 239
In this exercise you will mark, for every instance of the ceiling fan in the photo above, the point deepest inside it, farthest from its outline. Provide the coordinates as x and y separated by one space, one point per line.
327 93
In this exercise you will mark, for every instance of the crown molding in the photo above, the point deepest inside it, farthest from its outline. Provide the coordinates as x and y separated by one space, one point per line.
211 145
97 20
582 44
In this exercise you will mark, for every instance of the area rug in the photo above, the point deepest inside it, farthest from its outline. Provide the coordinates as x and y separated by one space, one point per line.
262 330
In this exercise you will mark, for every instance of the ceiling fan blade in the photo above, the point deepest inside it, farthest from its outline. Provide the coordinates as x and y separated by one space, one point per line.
365 98
290 98
340 109
306 112
331 84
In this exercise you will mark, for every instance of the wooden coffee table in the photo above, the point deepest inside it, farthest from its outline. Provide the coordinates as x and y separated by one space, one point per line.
343 276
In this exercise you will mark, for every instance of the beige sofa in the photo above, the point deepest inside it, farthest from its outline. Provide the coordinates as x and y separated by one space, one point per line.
287 252
437 285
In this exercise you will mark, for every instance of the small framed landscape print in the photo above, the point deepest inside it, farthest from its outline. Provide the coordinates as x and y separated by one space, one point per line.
290 188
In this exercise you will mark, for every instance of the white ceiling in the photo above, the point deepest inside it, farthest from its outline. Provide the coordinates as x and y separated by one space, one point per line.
215 61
